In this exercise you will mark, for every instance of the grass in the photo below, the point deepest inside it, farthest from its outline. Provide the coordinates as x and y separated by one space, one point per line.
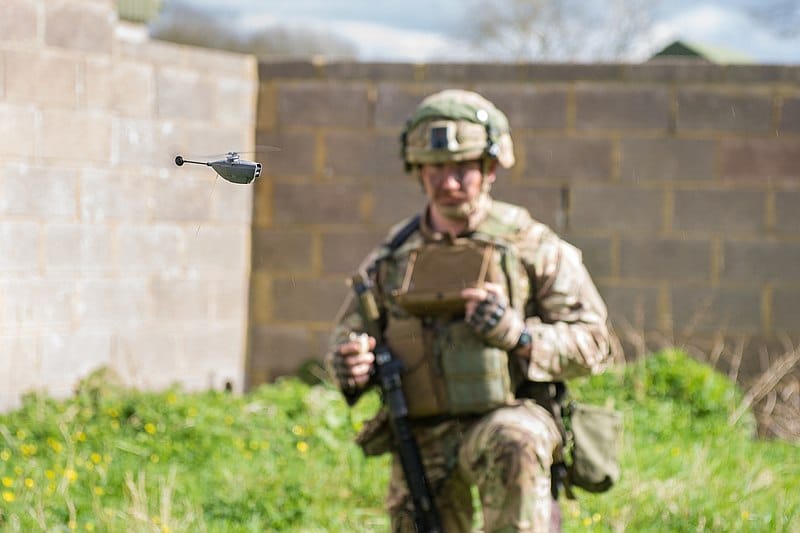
281 458
685 467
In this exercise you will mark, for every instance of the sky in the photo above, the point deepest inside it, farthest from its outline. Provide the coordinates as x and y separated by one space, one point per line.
429 30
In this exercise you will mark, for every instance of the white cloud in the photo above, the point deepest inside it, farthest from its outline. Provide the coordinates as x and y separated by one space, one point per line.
383 42
410 32
715 25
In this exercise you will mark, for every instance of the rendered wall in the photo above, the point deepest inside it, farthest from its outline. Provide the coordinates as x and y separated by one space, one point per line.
109 254
680 183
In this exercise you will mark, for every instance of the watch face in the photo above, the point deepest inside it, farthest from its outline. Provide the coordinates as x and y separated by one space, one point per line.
524 339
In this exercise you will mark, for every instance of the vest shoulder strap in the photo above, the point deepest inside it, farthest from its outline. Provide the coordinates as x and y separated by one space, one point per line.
403 234
394 241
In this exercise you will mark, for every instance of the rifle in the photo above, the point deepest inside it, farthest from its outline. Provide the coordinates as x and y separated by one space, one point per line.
388 371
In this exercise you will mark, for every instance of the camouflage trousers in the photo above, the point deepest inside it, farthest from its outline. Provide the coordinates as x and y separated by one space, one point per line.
506 454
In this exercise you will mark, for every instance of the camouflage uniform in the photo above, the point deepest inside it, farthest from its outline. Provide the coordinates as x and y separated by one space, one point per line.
505 451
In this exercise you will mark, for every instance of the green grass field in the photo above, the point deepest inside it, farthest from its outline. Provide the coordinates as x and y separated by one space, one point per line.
281 459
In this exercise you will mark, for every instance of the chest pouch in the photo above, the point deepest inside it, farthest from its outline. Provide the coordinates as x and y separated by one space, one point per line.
476 374
437 273
448 370
423 382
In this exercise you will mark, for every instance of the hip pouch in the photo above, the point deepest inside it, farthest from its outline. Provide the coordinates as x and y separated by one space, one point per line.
596 435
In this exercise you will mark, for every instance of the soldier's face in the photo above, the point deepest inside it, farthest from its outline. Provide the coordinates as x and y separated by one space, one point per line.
449 185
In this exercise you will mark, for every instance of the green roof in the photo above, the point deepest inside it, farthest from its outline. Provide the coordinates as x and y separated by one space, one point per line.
141 11
712 53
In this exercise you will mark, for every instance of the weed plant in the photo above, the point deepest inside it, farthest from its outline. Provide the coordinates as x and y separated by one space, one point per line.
281 458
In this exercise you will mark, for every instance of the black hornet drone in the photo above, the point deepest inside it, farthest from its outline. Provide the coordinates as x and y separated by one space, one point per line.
232 168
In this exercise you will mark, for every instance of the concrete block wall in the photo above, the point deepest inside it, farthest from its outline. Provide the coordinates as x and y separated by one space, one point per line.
680 182
109 253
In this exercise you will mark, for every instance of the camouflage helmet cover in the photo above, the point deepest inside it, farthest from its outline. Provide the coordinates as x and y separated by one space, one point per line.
457 125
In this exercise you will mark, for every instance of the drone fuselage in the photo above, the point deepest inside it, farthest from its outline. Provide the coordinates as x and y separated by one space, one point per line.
232 168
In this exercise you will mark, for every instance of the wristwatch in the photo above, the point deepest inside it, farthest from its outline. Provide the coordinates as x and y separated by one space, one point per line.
524 341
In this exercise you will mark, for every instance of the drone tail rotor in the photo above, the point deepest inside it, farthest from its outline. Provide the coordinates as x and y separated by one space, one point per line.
179 160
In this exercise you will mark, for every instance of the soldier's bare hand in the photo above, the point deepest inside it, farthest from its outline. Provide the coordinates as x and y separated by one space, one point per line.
354 361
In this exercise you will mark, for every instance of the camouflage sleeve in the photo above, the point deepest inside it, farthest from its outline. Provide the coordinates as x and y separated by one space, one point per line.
569 324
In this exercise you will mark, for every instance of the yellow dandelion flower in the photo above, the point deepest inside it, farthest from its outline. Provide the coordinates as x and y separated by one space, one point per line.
596 517
156 520
302 446
8 496
253 445
192 412
7 482
80 436
70 475
49 474
228 420
150 428
171 398
21 434
113 413
18 470
96 458
28 449
99 491
55 445
29 483
298 430
587 521
745 515
5 455
165 528
154 458
265 445
115 424
675 451
89 526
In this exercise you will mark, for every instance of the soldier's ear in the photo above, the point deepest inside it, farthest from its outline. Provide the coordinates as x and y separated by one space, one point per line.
489 167
490 175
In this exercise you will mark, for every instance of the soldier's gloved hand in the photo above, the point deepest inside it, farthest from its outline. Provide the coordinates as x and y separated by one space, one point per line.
353 362
489 314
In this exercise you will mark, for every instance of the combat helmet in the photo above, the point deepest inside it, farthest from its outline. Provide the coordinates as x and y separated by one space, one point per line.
456 125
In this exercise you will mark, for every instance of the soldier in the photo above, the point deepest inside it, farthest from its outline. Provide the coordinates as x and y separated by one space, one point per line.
486 308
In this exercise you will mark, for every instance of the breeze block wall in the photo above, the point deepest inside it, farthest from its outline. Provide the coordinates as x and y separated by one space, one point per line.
679 181
110 255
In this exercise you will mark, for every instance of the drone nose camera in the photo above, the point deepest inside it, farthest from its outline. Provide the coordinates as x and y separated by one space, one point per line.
232 168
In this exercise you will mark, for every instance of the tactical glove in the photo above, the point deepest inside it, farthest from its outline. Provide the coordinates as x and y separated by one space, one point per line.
496 323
